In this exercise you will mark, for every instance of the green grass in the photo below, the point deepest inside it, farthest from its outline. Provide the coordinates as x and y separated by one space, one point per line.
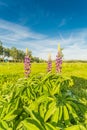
68 69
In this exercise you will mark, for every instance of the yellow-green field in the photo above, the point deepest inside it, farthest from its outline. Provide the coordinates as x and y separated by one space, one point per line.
68 69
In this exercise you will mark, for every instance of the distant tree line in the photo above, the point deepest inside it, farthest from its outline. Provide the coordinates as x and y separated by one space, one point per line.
75 61
18 55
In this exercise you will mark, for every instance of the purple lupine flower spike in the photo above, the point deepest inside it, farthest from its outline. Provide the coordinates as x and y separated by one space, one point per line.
27 64
49 68
59 60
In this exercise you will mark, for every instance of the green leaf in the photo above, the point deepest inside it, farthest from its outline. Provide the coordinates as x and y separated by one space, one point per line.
82 127
60 112
9 117
55 117
4 124
66 115
41 99
50 111
32 124
29 126
75 127
51 127
72 111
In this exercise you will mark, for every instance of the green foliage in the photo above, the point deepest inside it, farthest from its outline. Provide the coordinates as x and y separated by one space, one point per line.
18 55
42 102
1 48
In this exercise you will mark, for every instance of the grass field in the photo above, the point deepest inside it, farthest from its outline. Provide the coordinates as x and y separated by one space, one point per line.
68 69
19 97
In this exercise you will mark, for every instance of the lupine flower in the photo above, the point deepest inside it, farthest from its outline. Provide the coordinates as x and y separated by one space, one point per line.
49 68
27 64
59 60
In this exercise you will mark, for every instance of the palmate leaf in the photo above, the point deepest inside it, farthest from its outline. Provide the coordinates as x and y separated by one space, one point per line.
33 106
29 126
66 115
82 127
49 126
4 125
8 108
56 89
46 77
28 111
50 111
60 112
82 107
55 117
72 112
3 110
32 124
28 93
19 126
33 115
76 127
42 109
9 117
42 98
17 103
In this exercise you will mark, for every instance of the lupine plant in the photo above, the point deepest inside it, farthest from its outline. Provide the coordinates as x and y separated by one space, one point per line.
59 60
42 102
27 64
49 68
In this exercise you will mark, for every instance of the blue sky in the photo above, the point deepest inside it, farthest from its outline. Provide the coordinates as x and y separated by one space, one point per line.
40 25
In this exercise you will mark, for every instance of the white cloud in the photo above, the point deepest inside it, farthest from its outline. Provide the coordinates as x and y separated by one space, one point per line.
62 23
14 31
75 44
75 53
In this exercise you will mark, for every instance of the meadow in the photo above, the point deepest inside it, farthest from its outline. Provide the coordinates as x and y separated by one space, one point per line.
78 69
16 70
44 101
